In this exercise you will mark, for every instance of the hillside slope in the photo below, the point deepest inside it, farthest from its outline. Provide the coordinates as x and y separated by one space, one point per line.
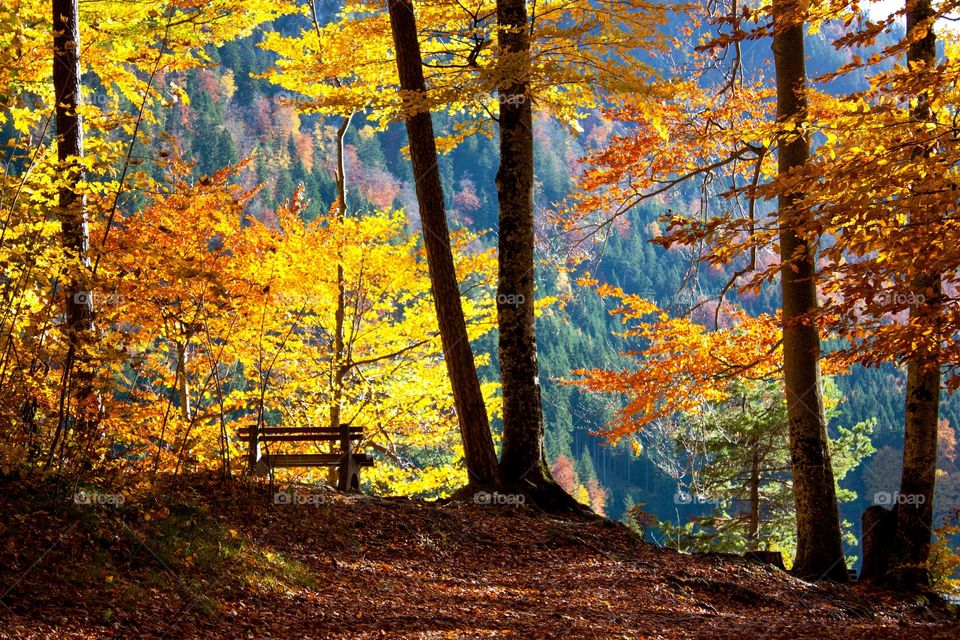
204 559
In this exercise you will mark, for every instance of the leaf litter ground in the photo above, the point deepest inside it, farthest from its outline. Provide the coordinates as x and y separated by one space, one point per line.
198 558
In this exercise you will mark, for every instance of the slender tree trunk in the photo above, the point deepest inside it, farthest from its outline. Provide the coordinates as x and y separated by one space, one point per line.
186 410
28 413
754 533
339 363
522 461
72 211
480 455
819 547
915 507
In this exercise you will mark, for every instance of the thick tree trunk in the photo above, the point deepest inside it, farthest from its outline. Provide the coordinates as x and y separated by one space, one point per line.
915 505
522 461
914 508
878 525
523 457
819 548
72 207
479 452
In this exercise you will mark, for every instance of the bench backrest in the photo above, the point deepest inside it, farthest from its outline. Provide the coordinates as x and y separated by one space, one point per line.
302 434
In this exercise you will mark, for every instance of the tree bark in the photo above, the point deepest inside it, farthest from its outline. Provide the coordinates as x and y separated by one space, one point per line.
522 461
878 525
915 501
819 547
71 210
914 507
479 452
186 411
754 527
523 456
340 363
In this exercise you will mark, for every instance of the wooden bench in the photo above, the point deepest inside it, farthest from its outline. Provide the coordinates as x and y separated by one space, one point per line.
346 460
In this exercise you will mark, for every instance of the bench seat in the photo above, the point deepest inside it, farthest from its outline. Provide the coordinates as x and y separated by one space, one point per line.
291 460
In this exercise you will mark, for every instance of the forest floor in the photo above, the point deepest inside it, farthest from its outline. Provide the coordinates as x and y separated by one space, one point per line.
204 559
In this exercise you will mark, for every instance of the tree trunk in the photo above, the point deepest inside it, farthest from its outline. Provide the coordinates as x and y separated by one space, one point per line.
914 507
339 343
754 533
72 211
915 501
186 411
819 548
878 525
522 462
523 457
480 455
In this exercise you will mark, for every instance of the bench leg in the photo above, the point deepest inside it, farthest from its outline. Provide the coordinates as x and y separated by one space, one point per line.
254 462
348 479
